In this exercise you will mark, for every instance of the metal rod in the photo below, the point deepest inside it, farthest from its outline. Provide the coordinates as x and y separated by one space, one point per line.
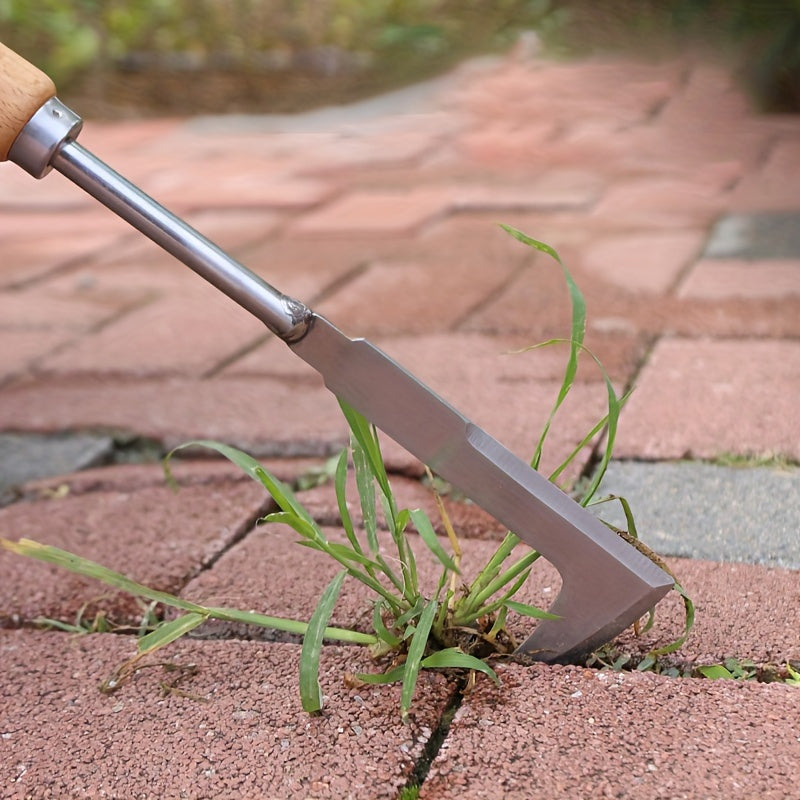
284 316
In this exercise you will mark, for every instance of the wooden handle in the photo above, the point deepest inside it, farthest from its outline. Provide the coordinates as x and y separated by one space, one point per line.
23 90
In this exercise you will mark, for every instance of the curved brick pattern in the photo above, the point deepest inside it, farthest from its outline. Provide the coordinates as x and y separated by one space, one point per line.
384 214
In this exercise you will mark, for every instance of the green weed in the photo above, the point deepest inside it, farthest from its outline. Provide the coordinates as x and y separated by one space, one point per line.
460 625
739 461
614 659
736 669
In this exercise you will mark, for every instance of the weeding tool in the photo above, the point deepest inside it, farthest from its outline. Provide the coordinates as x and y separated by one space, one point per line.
606 583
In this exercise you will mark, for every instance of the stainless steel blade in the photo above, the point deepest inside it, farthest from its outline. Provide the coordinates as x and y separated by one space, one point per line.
606 583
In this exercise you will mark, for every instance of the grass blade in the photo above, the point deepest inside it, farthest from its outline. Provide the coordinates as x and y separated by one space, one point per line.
289 625
454 658
715 672
490 608
169 632
308 530
310 690
67 627
279 491
412 613
392 676
416 650
529 611
381 631
477 599
344 553
428 535
578 331
492 567
366 494
91 569
340 484
364 434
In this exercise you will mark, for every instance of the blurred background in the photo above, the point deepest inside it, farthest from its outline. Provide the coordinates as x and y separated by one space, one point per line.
115 58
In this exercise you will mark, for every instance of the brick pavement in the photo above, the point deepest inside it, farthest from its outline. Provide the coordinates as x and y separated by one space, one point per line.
383 217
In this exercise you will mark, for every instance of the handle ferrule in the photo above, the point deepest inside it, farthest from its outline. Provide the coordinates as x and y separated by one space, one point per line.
43 135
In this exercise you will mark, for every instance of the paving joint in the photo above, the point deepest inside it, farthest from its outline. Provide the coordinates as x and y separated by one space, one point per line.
92 258
233 357
436 740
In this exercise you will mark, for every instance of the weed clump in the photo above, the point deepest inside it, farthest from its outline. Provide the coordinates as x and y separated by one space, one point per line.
459 624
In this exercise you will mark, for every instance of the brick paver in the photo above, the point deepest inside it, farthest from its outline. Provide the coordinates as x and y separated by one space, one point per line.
577 733
230 731
152 535
721 278
384 217
707 398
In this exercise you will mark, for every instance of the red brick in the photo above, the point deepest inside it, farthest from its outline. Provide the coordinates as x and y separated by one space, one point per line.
109 139
642 262
554 189
187 742
504 143
703 398
308 267
20 348
721 278
188 334
772 186
403 140
236 186
18 190
271 359
564 727
376 213
38 308
414 297
45 250
659 202
264 415
152 535
188 470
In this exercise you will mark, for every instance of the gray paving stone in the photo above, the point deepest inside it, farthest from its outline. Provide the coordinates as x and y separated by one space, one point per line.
773 234
714 512
24 457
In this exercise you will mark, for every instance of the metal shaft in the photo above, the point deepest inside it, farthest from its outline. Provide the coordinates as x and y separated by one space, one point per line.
48 141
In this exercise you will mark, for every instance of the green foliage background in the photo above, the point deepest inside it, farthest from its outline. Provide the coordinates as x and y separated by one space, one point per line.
66 38
82 43
759 38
